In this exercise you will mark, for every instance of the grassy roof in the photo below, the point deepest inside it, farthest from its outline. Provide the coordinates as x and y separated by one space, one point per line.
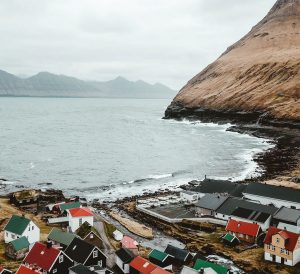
85 229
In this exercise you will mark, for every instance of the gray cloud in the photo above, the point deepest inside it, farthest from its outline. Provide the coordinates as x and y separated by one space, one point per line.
154 40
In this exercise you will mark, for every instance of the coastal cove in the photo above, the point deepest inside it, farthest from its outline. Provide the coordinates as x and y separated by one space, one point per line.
125 148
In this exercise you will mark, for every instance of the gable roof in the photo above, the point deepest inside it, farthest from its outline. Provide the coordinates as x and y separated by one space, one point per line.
158 255
229 238
125 255
211 201
25 270
81 269
20 243
160 270
42 256
275 192
142 265
61 237
291 238
128 242
250 214
243 227
177 253
17 224
232 203
4 271
287 214
205 264
80 212
85 229
66 206
79 250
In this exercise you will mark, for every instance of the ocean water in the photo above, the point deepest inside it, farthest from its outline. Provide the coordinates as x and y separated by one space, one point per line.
112 148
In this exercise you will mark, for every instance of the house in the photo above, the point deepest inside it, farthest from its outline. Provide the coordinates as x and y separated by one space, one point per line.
282 246
225 211
47 259
118 235
27 270
161 259
218 187
25 198
288 216
17 249
230 239
84 253
244 231
180 256
123 258
4 271
80 269
90 234
131 244
188 270
277 195
209 268
140 265
78 216
189 197
208 204
60 238
19 226
61 207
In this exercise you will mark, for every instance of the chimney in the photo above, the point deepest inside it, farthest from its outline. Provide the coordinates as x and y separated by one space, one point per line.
201 271
49 244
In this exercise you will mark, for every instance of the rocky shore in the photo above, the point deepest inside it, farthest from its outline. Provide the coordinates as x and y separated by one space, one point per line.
282 160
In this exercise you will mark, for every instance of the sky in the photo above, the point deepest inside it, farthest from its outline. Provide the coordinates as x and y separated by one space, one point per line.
166 41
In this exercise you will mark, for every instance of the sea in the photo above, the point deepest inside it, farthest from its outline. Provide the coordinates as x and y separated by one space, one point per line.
105 149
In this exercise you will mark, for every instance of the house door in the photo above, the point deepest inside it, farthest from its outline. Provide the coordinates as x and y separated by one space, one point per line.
273 258
282 260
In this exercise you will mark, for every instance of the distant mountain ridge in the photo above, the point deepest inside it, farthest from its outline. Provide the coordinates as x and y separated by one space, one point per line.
45 84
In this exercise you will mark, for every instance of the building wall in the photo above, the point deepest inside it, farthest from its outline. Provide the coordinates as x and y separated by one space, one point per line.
243 237
267 201
32 233
121 265
100 259
204 212
61 266
75 223
264 226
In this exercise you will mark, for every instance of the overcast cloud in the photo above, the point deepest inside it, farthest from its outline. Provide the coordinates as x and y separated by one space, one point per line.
166 41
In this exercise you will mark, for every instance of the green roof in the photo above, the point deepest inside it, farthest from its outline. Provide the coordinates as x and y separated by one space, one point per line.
20 243
61 237
204 264
158 255
228 237
17 224
69 206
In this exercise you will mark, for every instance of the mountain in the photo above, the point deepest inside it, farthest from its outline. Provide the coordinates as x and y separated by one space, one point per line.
47 84
259 75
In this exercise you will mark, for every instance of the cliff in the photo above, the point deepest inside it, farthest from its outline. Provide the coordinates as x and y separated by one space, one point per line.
258 76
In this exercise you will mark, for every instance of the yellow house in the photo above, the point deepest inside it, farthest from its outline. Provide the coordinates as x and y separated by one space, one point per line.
282 246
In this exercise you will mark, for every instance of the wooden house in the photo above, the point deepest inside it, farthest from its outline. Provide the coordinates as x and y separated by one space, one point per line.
90 234
24 198
4 271
131 244
140 265
180 256
123 258
78 216
60 238
161 259
17 249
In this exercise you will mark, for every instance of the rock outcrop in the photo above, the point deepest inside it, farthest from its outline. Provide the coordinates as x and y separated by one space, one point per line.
256 78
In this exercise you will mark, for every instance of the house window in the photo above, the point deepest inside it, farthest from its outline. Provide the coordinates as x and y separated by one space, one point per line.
80 221
54 270
32 228
281 250
29 228
100 263
6 234
272 247
61 258
95 254
277 240
13 236
286 252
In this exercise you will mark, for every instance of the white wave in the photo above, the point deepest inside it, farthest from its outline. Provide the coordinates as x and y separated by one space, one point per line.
6 183
160 176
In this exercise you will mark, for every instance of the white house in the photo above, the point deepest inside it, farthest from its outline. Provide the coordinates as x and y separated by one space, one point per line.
78 216
190 197
123 258
278 196
19 226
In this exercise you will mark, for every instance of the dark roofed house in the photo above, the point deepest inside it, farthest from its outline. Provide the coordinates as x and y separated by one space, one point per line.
208 204
276 195
89 234
4 271
123 258
17 249
219 186
80 269
287 216
25 198
60 238
160 258
180 256
84 253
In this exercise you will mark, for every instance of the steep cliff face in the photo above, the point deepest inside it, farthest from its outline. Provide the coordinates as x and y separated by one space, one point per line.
258 74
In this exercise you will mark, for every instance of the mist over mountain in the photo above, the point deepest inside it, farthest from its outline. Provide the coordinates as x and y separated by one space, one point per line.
45 84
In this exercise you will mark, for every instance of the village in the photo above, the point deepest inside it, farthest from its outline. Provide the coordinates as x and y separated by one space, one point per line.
255 225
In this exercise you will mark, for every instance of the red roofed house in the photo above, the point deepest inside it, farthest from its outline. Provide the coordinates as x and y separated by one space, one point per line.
78 216
282 246
26 270
140 265
244 231
47 259
131 244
